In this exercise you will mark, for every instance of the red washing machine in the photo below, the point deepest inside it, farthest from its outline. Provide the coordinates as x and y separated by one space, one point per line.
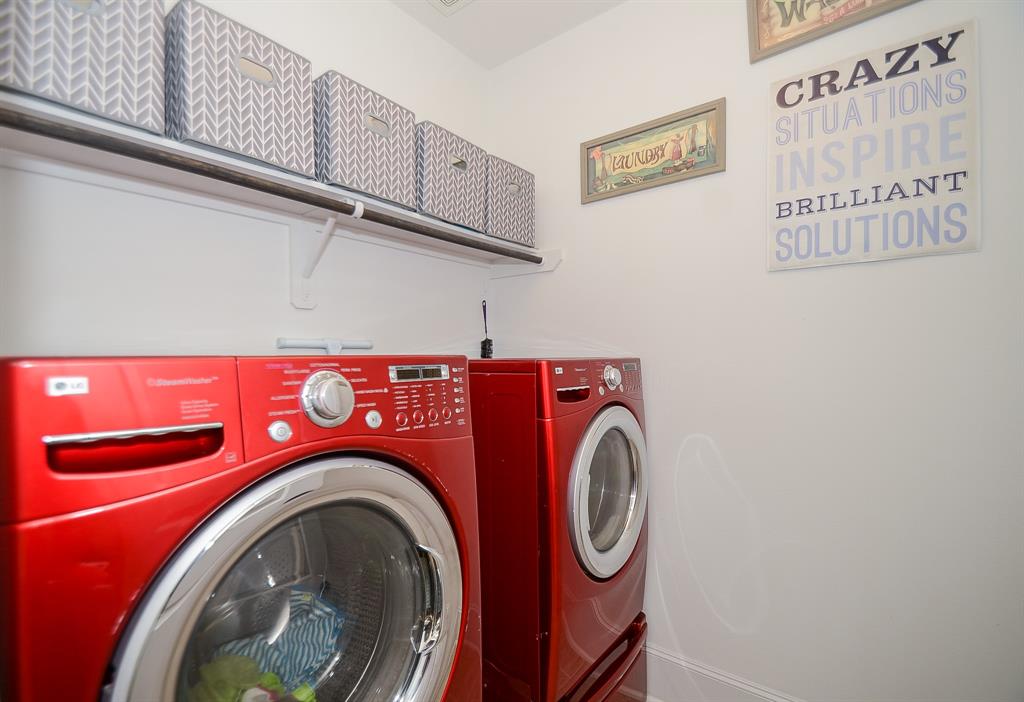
562 481
257 529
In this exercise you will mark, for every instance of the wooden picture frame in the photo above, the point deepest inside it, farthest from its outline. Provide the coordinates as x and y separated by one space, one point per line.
809 25
679 146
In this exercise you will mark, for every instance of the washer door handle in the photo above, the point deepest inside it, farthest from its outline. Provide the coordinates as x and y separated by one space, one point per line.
89 437
133 449
428 631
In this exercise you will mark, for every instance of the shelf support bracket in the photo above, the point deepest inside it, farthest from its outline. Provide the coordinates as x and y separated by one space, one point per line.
324 238
306 247
552 260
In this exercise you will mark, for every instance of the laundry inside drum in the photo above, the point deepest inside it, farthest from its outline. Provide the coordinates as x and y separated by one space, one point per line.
321 608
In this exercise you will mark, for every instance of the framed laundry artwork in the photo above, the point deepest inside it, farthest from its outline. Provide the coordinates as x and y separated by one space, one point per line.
778 25
675 147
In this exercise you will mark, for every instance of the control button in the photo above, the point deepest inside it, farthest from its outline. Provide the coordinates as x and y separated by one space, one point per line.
446 413
600 389
401 419
432 414
373 419
417 417
280 431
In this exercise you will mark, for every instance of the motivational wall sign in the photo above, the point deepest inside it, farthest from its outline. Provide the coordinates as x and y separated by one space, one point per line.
876 157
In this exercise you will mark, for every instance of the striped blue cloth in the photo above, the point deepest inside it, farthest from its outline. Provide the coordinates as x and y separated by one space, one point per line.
306 643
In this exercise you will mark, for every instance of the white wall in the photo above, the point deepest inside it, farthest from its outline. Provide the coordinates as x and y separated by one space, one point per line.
86 268
838 494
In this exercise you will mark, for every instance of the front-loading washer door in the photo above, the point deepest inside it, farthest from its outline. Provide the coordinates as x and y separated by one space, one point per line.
336 580
608 492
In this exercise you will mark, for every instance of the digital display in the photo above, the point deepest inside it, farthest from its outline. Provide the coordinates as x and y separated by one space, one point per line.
403 374
629 366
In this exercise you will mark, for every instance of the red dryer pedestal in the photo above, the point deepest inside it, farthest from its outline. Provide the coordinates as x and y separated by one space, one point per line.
562 482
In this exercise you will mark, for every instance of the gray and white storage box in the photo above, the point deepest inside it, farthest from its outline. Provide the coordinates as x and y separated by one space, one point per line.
105 57
363 140
510 202
451 177
234 89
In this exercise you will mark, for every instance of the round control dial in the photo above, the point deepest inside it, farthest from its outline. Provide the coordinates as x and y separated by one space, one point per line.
327 398
612 377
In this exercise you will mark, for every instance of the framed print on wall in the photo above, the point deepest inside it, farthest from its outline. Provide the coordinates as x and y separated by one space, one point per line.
777 25
675 147
894 173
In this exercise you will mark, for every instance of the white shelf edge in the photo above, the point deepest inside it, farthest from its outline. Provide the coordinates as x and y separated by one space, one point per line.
552 260
36 127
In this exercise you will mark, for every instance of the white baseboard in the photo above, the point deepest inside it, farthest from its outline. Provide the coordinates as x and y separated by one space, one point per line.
675 678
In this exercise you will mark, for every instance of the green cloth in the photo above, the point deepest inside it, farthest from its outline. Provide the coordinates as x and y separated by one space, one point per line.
225 679
272 683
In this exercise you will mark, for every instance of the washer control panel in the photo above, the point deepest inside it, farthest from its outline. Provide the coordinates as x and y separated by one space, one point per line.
288 401
431 395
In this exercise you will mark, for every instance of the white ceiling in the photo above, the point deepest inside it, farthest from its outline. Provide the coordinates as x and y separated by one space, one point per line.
493 31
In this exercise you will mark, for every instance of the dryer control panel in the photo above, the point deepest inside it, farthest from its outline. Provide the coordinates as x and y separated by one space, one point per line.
288 401
570 384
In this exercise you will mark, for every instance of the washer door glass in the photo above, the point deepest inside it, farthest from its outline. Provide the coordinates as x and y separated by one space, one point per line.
608 492
329 603
335 581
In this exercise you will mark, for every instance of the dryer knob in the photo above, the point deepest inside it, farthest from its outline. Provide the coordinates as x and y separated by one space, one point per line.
612 377
327 398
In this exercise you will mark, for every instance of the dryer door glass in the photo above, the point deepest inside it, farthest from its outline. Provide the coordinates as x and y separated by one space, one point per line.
612 493
351 591
608 492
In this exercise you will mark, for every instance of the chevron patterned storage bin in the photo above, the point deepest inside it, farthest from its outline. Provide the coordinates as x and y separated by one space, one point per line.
510 202
451 177
363 140
106 57
234 89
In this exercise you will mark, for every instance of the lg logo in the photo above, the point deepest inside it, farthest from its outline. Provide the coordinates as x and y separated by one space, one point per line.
56 387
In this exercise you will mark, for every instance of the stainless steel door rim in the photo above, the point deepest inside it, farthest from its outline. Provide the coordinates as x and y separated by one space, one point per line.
149 658
600 560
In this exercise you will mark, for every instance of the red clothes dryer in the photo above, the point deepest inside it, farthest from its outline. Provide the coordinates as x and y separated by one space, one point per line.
562 481
202 529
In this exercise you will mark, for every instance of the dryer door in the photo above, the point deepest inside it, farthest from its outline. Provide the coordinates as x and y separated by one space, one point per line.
339 579
608 492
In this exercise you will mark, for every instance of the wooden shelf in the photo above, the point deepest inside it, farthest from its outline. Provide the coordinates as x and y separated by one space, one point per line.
37 127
